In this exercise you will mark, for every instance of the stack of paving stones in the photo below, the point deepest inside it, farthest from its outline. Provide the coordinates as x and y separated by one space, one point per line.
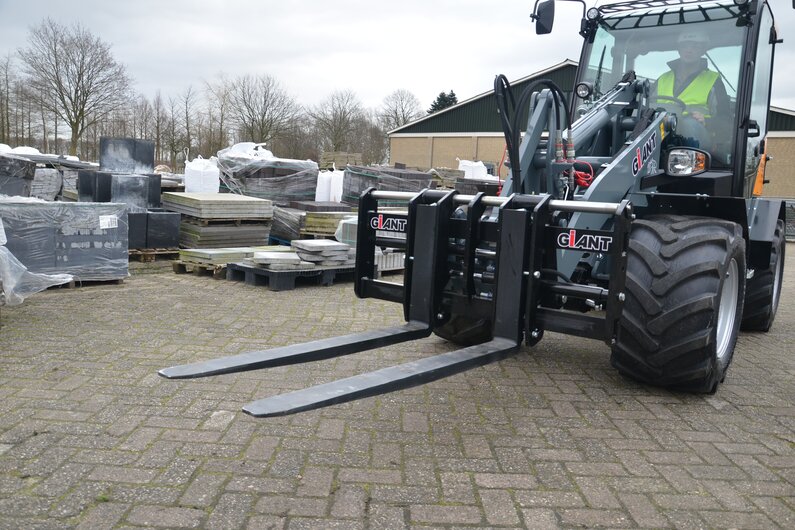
383 178
279 261
217 220
323 224
287 223
325 252
222 256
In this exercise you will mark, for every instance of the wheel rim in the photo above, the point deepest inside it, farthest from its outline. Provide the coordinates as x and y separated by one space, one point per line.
727 311
777 282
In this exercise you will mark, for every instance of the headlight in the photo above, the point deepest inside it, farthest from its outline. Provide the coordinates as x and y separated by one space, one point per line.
687 162
592 13
584 90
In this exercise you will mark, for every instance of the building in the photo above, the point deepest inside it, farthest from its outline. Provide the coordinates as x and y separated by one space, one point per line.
471 130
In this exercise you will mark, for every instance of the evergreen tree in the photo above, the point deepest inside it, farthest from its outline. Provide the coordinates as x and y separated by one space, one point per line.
443 101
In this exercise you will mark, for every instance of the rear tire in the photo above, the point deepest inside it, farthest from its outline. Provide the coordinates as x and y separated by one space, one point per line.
684 301
762 292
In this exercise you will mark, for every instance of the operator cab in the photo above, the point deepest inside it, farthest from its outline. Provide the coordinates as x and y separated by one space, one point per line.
686 54
708 64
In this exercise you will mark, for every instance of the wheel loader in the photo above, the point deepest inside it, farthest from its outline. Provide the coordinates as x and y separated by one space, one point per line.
632 215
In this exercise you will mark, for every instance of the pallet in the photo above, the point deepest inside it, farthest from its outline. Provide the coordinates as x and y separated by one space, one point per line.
199 269
147 255
284 280
74 284
315 235
207 221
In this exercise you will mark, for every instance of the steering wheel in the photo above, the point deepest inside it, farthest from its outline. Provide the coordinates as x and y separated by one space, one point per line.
681 104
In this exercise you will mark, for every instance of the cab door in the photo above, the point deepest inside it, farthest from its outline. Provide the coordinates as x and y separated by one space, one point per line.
756 125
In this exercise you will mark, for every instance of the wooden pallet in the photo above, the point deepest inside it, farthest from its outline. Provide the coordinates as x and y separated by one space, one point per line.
285 280
147 255
223 221
315 235
87 283
199 269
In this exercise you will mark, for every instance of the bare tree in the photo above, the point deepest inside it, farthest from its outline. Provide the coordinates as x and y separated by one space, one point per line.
6 76
141 117
399 108
261 109
172 134
299 140
219 98
369 138
335 119
76 72
188 100
158 123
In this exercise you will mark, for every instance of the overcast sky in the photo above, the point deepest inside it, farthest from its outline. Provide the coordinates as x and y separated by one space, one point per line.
314 47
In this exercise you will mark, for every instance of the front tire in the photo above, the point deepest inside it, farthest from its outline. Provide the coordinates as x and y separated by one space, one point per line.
762 292
684 301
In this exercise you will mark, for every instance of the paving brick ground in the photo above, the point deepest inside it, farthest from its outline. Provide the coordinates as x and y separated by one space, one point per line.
91 437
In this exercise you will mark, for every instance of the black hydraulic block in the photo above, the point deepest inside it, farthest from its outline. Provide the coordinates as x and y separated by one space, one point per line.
137 222
86 183
132 190
154 190
162 229
126 155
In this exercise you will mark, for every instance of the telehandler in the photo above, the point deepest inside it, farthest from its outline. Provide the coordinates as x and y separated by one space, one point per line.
632 215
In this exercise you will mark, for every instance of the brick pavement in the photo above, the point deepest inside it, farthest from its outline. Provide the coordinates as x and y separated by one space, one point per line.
91 437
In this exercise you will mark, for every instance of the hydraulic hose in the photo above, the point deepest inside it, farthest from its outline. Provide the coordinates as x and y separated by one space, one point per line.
512 125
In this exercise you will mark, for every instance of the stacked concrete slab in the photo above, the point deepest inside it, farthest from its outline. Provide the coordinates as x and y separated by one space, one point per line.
216 220
324 252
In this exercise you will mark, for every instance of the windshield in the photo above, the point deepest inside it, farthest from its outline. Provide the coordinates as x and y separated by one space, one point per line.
692 59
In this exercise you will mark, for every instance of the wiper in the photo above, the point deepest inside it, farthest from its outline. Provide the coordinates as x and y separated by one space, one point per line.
725 79
597 86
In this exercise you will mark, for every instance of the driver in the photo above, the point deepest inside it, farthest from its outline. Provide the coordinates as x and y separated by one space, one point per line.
691 81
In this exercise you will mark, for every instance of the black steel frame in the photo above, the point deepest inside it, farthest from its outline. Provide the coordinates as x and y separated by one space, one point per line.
520 232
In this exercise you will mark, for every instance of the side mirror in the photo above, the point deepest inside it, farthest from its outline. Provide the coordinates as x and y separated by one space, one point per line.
545 17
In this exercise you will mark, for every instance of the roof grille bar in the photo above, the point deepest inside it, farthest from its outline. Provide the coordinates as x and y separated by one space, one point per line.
640 4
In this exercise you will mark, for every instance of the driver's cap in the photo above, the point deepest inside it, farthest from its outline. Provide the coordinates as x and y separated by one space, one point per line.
692 37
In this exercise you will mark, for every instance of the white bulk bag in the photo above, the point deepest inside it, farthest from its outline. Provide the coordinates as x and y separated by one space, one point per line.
202 176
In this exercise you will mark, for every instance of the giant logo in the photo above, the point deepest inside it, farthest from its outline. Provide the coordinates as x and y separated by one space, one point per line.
570 239
389 224
643 153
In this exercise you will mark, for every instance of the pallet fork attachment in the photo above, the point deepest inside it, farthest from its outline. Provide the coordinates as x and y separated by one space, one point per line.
522 228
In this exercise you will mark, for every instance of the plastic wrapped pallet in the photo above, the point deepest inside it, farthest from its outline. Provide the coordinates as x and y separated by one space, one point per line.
256 172
69 179
359 178
16 175
287 223
86 240
47 184
18 283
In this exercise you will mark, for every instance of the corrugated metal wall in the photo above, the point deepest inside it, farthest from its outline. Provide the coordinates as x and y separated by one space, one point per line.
781 122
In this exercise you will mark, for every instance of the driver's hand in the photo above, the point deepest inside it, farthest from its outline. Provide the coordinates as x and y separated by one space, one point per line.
696 115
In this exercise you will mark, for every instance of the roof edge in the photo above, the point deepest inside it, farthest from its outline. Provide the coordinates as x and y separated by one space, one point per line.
565 62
